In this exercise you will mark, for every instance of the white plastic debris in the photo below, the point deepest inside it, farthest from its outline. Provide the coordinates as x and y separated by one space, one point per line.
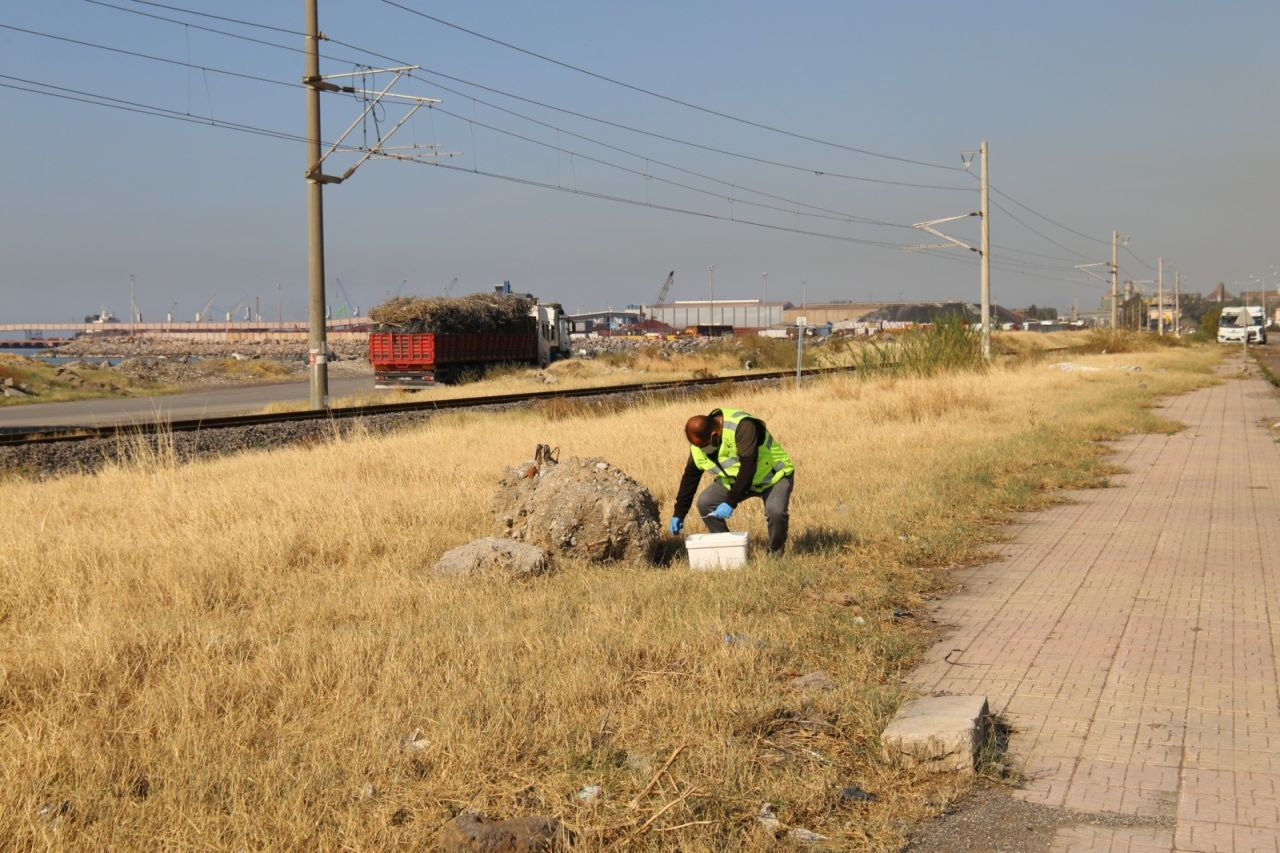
415 741
806 836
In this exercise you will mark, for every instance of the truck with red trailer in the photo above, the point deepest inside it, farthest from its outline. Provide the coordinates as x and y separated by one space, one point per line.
403 359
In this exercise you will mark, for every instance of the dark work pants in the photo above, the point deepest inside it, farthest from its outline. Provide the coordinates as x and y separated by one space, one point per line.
777 500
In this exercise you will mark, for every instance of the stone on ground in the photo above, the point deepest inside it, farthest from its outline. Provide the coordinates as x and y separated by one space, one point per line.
470 832
941 733
817 680
493 556
580 507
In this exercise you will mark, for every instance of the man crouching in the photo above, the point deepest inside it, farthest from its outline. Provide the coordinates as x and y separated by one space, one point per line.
727 442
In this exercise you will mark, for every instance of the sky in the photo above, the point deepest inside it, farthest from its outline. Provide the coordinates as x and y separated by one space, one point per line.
1156 119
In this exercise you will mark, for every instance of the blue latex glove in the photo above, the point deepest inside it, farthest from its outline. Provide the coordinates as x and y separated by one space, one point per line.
676 525
722 512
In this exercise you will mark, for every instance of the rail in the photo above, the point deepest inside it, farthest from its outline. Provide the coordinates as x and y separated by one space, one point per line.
74 433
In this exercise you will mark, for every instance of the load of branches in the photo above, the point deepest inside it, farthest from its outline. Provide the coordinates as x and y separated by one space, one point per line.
479 312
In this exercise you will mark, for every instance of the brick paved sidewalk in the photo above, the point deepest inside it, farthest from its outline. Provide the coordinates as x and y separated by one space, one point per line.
1130 637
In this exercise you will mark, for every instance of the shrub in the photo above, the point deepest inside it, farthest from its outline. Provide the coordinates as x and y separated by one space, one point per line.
949 345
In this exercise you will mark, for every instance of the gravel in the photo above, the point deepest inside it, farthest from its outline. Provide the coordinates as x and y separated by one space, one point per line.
40 461
89 347
990 818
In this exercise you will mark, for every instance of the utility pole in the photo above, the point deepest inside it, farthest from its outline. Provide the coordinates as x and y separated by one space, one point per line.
1177 307
711 307
316 354
1160 296
134 317
985 212
984 250
764 302
1115 271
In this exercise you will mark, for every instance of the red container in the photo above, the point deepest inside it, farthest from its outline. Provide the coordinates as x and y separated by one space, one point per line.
409 358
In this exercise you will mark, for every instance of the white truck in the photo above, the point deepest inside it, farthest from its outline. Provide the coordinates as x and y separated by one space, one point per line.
1237 324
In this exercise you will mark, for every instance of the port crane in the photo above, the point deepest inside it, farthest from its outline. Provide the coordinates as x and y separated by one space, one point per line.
203 312
666 288
352 308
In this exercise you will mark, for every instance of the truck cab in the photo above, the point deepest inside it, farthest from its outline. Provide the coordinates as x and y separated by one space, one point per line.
1241 324
553 333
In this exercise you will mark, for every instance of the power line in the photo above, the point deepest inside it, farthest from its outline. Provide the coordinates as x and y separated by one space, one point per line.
101 100
1138 259
96 99
668 98
811 170
827 213
1059 258
1050 221
836 214
149 56
1038 233
182 23
653 177
240 21
844 216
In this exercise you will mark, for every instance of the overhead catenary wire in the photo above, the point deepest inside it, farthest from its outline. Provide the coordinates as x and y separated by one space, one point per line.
1022 267
175 115
96 99
812 170
835 215
1035 212
1037 232
139 55
1133 255
668 98
825 213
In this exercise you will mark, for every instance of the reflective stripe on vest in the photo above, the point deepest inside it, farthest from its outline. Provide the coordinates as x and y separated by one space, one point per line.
772 462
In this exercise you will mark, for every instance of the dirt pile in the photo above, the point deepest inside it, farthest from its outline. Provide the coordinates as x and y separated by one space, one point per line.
579 507
932 312
480 312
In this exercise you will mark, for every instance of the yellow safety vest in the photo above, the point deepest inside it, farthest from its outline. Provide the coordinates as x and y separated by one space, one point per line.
772 464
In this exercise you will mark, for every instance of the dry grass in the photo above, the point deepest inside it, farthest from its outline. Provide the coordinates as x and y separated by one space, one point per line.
630 368
223 655
251 370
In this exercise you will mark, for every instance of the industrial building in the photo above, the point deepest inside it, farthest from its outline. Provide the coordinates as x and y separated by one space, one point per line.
735 313
821 313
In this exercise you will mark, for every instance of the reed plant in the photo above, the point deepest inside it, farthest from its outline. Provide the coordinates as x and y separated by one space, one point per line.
948 345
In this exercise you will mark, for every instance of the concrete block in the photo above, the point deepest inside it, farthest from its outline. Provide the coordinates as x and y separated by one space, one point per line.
941 733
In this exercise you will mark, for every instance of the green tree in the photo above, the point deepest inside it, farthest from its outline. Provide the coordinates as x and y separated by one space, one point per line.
1208 329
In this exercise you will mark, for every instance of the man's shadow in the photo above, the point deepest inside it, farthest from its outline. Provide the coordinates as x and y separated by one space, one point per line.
821 540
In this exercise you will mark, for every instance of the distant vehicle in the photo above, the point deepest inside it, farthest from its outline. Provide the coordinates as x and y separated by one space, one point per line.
102 317
421 359
1235 324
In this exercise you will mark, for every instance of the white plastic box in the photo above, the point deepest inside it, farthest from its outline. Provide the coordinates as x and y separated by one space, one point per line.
716 550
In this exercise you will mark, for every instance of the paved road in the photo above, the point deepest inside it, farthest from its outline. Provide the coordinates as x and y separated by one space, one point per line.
214 402
1131 637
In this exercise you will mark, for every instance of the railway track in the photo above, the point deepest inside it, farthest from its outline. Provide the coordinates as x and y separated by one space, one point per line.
56 435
